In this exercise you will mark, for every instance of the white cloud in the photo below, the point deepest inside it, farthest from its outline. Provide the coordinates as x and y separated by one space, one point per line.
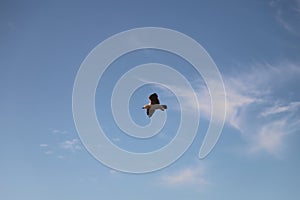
270 137
45 148
279 109
71 145
285 24
187 176
237 102
256 108
288 15
59 131
254 105
43 145
49 152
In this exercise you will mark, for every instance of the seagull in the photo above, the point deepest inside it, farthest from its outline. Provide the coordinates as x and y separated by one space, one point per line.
153 105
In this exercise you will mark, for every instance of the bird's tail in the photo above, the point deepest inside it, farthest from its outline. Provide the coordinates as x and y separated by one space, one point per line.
164 106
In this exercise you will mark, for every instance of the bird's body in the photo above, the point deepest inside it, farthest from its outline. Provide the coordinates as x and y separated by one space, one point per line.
154 105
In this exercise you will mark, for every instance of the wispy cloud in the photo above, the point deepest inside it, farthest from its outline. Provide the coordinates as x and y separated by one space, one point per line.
185 177
71 145
258 107
49 152
62 146
59 131
280 109
270 137
46 149
287 15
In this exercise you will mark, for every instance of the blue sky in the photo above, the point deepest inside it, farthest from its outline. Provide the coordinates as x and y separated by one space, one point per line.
255 45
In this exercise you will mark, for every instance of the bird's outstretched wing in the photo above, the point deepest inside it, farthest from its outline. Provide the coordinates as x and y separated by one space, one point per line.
154 99
150 111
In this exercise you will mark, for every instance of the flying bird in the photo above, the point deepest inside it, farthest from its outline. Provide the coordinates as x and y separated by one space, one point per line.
154 105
